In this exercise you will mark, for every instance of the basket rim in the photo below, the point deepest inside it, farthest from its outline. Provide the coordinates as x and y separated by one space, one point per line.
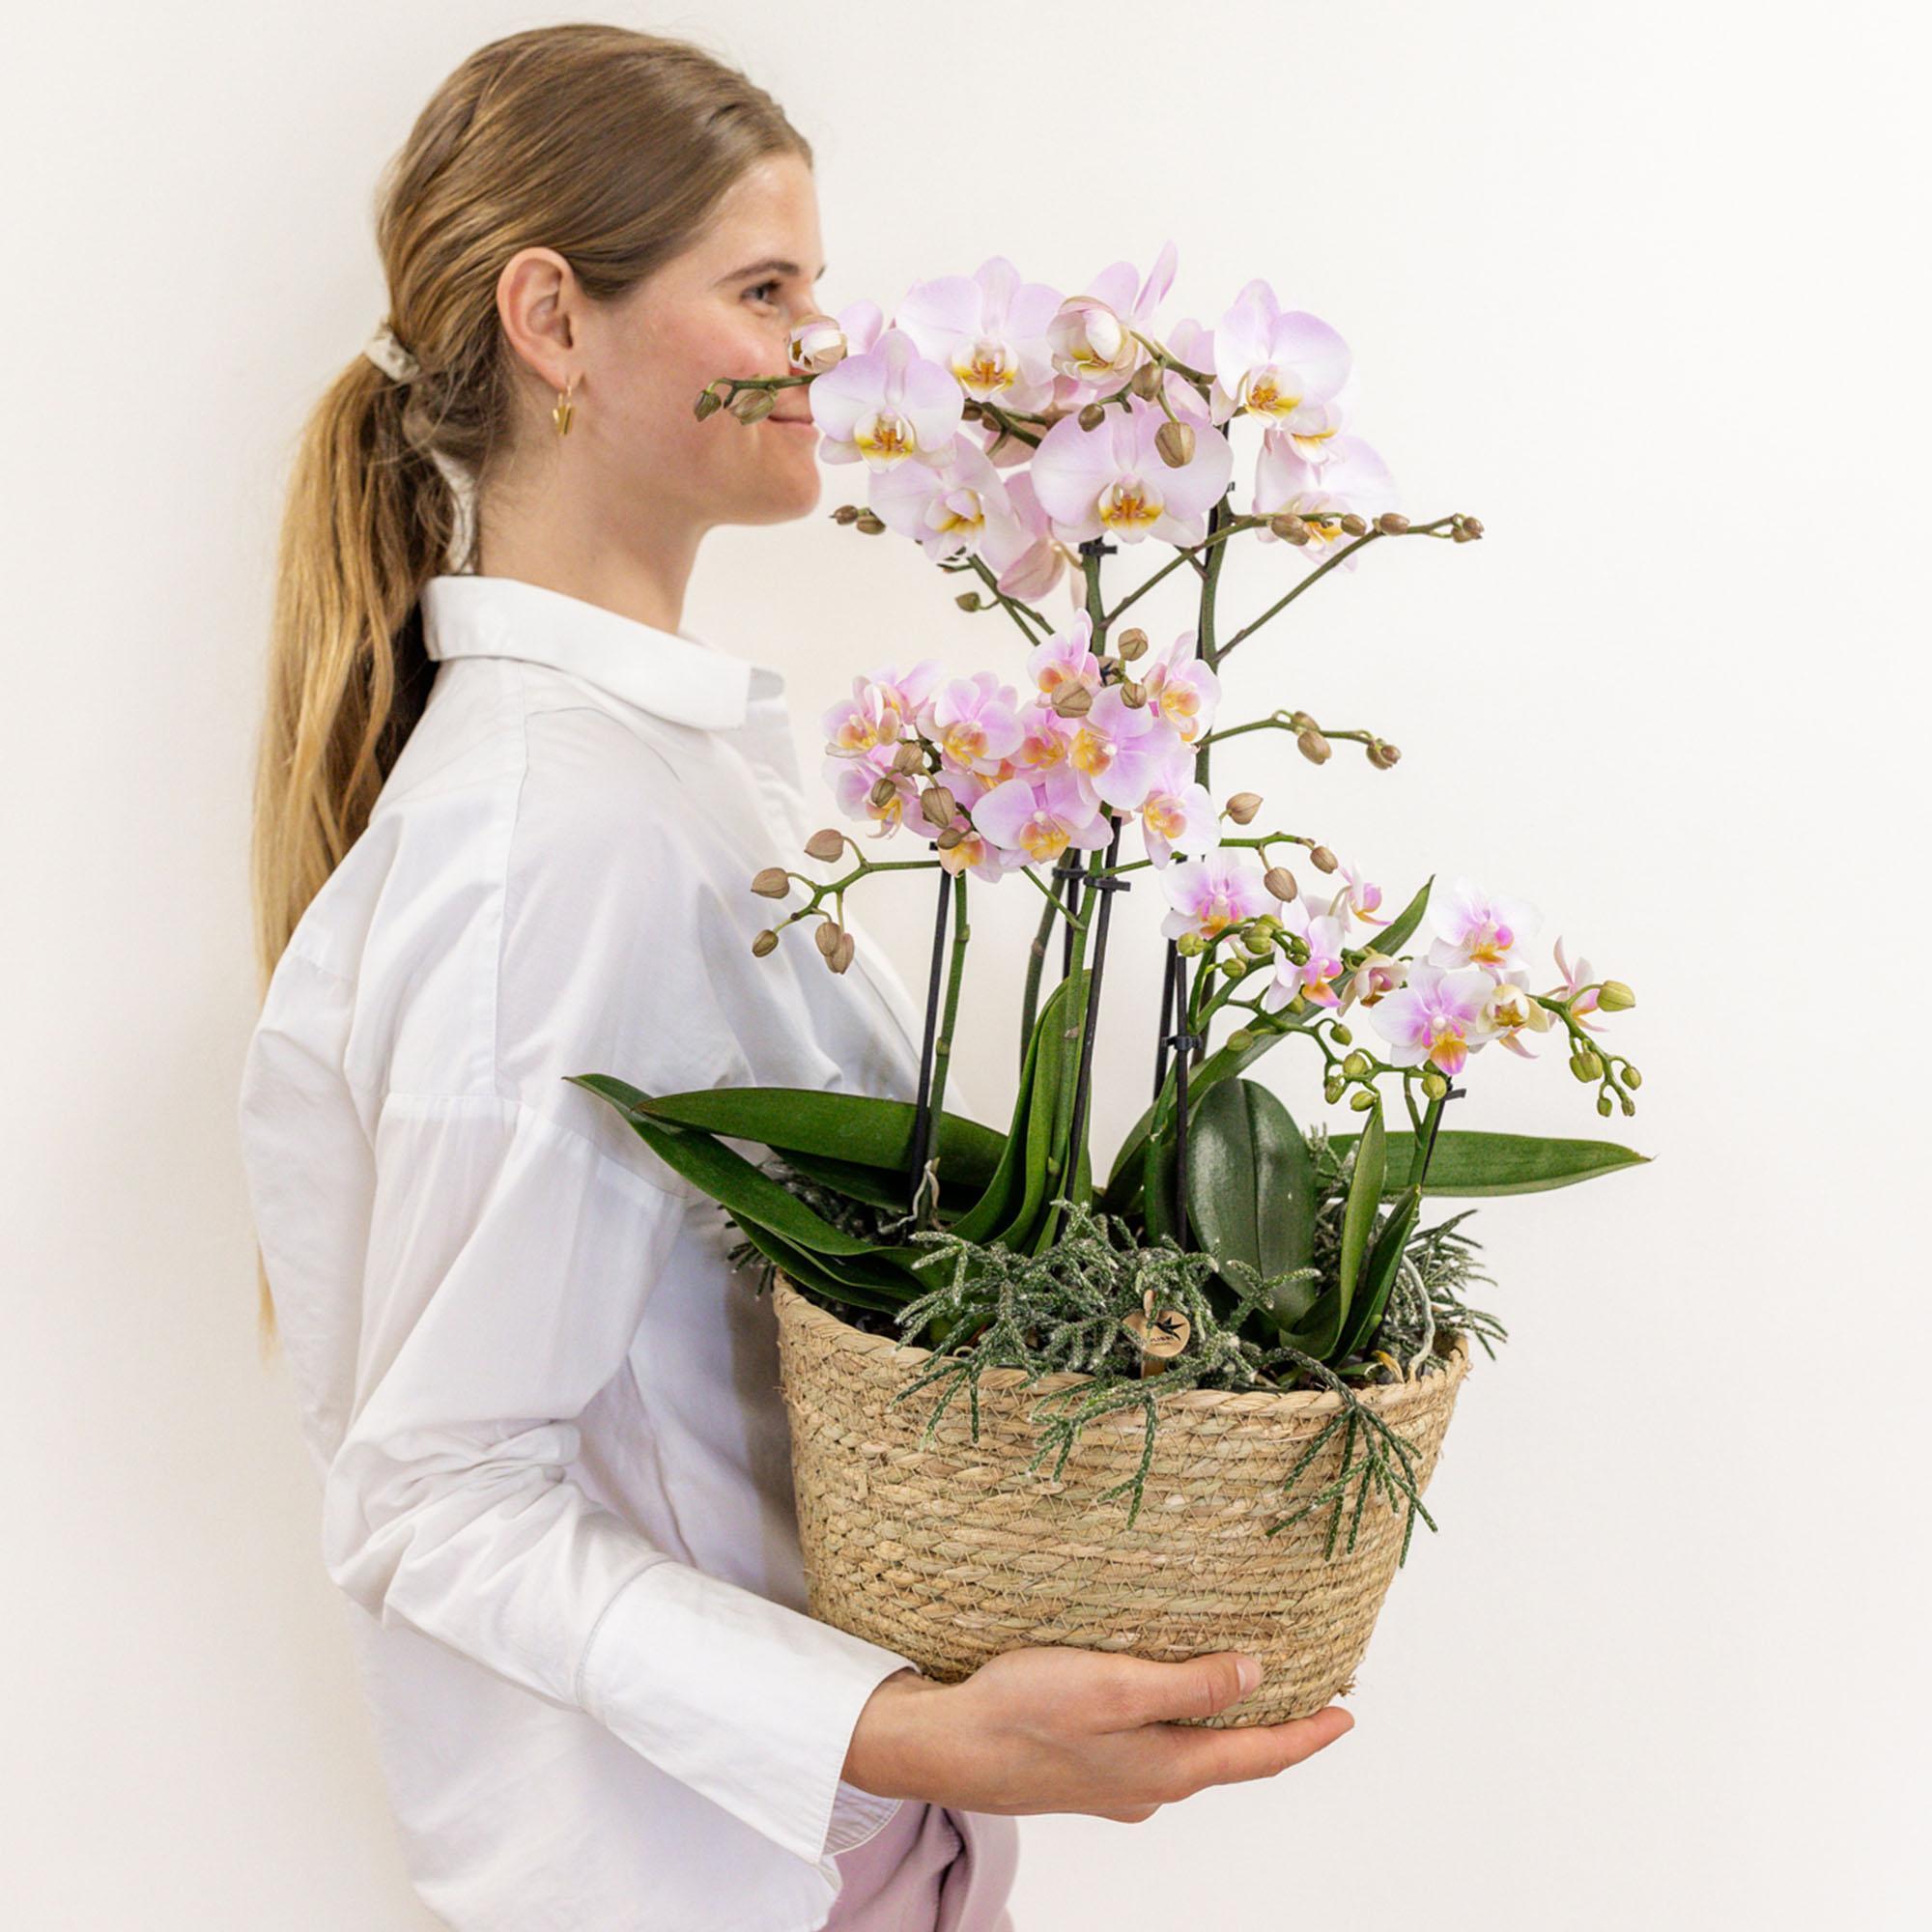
1451 1345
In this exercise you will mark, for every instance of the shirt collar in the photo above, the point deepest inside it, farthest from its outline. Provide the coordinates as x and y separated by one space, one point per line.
670 673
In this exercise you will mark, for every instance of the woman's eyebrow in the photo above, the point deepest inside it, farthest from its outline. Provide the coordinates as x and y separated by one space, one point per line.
772 265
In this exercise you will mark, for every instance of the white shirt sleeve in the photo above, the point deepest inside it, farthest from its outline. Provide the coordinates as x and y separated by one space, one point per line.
509 1261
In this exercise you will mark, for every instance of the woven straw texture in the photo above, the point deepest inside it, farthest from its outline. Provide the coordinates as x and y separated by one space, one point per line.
948 1554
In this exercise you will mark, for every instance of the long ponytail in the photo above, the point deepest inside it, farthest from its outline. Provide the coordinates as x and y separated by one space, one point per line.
611 147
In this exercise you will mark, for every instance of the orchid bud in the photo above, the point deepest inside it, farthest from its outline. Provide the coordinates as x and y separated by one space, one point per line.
1131 643
968 600
1361 1100
882 791
949 838
830 933
1473 524
1093 416
1322 859
867 525
1632 1077
1391 522
1300 721
1381 755
1243 806
1629 1106
846 513
1355 1065
772 883
1145 380
709 403
825 844
1602 1099
1340 1033
840 956
1257 941
764 942
1280 880
1190 945
752 406
936 801
908 758
1133 695
1289 529
1614 997
1356 526
1332 1091
1457 535
1175 443
1314 747
1233 966
1239 1040
1434 1085
971 412
1072 700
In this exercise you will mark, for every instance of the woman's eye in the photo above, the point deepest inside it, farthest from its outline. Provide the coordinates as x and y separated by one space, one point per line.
755 291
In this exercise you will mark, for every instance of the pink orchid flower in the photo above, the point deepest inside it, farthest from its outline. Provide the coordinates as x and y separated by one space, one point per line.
1572 978
1092 339
1066 658
975 853
1045 561
1357 898
1211 894
1351 479
1436 1017
1116 749
887 406
1373 980
1475 928
851 779
1041 820
879 710
1046 739
1181 688
1325 934
1112 481
1177 812
1510 1009
989 329
974 721
1278 365
955 503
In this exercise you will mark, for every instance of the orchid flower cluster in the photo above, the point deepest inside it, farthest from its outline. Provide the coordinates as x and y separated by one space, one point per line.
1021 434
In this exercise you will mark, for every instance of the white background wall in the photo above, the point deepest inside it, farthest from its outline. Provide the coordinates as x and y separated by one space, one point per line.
1643 288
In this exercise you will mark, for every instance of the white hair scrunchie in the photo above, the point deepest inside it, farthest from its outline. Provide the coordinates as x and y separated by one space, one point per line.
390 356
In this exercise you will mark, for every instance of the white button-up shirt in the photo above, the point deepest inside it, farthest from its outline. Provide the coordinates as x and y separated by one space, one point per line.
544 1409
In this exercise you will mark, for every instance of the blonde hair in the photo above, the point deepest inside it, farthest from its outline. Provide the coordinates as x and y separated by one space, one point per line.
611 147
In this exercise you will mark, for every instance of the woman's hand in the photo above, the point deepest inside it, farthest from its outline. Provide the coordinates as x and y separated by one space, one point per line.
1053 1729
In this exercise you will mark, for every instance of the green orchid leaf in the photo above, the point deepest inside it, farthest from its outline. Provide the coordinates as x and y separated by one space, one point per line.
749 1193
850 1128
1250 1180
1470 1164
1365 1188
1379 1273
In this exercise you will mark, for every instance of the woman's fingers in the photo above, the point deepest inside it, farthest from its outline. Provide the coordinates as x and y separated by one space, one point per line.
1197 1758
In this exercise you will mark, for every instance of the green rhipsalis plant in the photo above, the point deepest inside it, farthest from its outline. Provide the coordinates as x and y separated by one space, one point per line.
1022 438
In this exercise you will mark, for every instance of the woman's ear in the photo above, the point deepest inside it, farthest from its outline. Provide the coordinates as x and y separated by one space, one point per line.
538 301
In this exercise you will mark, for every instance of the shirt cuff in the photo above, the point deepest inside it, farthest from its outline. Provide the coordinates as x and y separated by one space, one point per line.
747 1700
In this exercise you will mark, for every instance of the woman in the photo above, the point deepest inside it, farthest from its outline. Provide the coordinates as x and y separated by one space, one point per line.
507 813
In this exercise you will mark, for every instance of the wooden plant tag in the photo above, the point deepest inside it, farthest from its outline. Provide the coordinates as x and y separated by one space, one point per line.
1160 1336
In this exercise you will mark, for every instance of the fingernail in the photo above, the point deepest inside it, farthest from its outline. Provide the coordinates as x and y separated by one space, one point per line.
1249 1670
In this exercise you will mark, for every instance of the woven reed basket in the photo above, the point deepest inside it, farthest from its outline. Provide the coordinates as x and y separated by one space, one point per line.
948 1554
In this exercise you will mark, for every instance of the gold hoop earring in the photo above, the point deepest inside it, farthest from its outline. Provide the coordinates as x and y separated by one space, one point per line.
564 410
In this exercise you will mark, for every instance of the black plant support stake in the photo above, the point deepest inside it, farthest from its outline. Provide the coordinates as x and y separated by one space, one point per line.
922 1121
1184 1044
1166 1014
1106 883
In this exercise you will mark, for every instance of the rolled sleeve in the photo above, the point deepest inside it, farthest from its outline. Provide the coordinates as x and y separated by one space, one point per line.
744 1699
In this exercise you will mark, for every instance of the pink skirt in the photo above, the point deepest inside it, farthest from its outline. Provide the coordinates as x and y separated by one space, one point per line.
929 1868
